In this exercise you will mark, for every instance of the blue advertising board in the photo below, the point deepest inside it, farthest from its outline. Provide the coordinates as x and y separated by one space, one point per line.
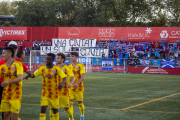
118 62
84 60
167 63
107 64
97 61
178 63
37 59
155 63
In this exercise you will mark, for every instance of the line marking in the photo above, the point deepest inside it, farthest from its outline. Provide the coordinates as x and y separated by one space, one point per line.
152 111
150 101
116 109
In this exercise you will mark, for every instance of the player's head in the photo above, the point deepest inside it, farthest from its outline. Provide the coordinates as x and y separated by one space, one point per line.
60 58
21 54
74 56
50 58
8 52
14 45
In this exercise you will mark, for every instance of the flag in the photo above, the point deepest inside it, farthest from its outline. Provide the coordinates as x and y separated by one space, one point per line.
167 63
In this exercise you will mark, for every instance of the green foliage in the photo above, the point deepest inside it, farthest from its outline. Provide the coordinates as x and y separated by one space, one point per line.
94 13
7 8
6 24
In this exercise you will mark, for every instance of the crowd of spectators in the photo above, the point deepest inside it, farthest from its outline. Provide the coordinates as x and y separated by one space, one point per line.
143 50
27 49
122 49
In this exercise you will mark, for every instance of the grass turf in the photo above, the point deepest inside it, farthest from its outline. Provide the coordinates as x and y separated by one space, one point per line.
108 96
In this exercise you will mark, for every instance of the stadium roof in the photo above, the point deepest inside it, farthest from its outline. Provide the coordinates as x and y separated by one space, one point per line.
7 16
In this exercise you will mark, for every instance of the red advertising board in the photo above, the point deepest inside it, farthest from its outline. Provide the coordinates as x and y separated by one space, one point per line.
13 33
153 70
131 33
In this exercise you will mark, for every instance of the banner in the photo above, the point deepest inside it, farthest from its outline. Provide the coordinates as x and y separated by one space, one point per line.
155 63
84 60
167 63
130 33
37 59
144 62
97 61
153 70
118 62
93 52
178 63
107 64
59 45
132 62
13 33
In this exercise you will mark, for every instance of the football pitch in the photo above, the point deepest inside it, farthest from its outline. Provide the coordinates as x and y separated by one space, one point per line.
115 96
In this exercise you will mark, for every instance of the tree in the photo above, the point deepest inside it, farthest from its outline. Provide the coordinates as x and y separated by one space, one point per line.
36 13
128 12
7 8
170 9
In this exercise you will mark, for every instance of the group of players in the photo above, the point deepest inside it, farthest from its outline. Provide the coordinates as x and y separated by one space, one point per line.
62 84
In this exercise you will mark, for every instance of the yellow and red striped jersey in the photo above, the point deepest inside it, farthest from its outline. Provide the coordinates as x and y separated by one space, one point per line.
50 78
78 69
8 73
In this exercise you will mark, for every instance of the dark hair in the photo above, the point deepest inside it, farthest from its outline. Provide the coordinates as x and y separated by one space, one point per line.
75 53
19 53
62 56
10 49
13 46
52 55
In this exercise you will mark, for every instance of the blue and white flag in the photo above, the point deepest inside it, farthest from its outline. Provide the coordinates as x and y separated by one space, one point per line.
155 63
144 62
167 63
178 63
107 64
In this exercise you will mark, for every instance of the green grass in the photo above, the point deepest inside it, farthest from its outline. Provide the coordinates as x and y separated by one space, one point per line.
106 94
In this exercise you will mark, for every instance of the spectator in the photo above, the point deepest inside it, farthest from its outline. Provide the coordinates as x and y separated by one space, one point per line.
173 50
171 56
1 49
164 51
156 54
110 55
20 45
145 54
6 43
167 53
38 47
116 55
176 55
29 49
26 51
103 55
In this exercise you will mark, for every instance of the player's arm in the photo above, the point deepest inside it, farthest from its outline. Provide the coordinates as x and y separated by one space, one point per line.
35 74
63 76
16 80
82 72
80 80
71 75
